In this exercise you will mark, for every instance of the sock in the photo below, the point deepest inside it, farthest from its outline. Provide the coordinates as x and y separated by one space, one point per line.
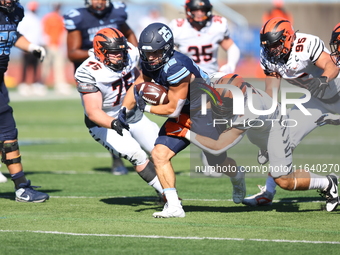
270 184
172 197
156 185
318 182
18 178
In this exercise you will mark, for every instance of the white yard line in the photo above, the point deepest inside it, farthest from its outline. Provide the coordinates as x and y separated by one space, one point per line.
174 237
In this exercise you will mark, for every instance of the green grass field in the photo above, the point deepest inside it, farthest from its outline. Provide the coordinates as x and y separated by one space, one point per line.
92 211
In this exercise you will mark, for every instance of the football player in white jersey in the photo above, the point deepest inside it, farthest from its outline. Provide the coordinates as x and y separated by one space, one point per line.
102 81
304 61
329 118
200 35
268 132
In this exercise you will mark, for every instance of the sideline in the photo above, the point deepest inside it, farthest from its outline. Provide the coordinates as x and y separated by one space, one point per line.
14 96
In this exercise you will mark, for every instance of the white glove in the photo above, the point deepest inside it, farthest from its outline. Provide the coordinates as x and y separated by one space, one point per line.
91 52
37 51
227 68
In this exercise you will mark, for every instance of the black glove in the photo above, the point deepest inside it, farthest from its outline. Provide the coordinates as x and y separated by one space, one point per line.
120 123
139 100
328 118
318 85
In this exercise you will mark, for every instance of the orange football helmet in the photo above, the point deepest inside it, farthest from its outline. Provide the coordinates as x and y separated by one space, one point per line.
277 37
335 44
223 105
111 40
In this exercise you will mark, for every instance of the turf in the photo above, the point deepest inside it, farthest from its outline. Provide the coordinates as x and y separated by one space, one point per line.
92 211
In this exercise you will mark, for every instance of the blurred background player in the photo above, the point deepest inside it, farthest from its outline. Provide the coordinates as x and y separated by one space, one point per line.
82 24
200 35
102 81
304 61
55 36
31 28
264 133
11 13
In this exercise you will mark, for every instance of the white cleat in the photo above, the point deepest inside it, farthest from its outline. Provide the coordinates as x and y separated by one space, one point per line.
170 212
264 197
331 193
3 178
239 187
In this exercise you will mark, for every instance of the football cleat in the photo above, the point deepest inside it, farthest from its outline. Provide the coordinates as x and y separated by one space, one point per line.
170 212
26 193
331 193
2 178
239 187
262 157
118 167
264 197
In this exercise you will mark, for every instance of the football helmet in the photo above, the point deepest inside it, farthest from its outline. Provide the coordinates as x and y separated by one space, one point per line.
222 104
8 5
111 40
192 5
335 44
98 9
277 37
156 37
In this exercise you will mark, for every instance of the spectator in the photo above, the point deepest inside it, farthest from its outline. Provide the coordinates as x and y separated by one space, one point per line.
31 28
277 10
55 36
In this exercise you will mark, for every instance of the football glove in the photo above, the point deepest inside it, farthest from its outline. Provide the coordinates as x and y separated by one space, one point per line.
37 51
139 100
120 123
328 118
184 120
175 129
317 86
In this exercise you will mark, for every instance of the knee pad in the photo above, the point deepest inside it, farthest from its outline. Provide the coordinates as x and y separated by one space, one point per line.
6 148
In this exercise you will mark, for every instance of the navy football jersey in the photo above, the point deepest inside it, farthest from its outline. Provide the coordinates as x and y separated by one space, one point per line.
176 69
88 24
9 35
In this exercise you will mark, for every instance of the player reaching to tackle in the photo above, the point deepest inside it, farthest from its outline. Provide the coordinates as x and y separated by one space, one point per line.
102 81
304 61
268 132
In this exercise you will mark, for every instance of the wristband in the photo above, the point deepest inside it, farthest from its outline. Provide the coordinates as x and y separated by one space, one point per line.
147 108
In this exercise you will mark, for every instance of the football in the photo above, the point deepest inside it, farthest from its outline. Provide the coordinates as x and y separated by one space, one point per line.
153 93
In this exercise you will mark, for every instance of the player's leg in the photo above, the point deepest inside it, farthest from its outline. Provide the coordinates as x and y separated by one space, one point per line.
145 132
166 147
127 147
10 156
